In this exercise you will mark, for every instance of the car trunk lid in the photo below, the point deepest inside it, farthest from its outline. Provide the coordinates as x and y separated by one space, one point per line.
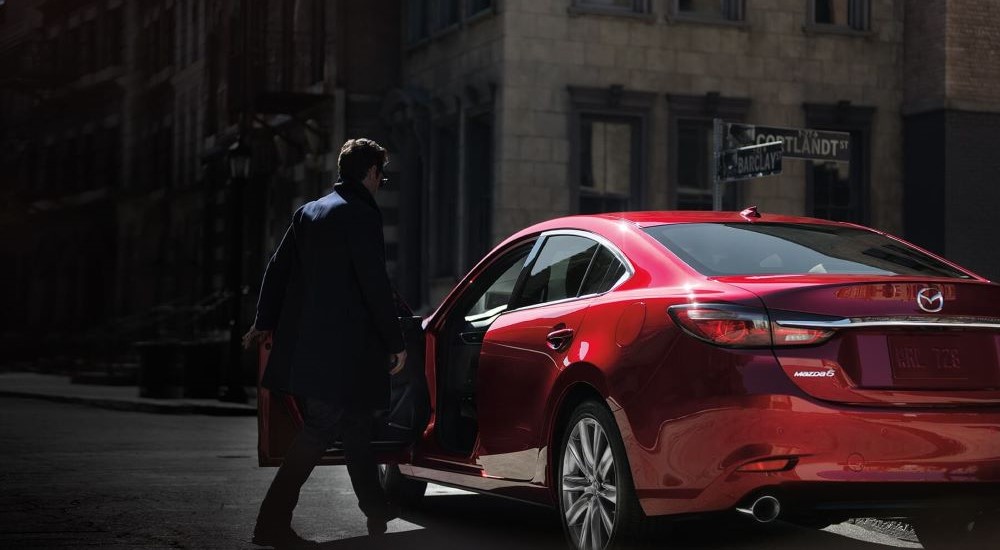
896 340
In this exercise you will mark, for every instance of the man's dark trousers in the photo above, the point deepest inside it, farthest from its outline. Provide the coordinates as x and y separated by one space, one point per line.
325 422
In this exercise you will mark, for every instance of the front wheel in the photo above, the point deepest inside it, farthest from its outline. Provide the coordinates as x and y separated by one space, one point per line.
597 500
398 488
959 531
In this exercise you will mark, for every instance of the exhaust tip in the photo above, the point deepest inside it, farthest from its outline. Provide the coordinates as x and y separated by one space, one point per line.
765 509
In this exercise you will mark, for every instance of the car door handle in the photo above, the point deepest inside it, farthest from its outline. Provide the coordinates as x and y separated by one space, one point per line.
559 338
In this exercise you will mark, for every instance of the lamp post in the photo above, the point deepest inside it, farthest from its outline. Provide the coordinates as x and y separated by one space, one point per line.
240 159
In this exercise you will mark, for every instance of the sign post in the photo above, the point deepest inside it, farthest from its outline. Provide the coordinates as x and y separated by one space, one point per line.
713 166
800 143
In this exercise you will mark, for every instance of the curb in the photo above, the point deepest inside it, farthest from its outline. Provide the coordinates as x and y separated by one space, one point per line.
150 406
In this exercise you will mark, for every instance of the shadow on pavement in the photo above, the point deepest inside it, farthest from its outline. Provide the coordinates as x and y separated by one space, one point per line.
460 522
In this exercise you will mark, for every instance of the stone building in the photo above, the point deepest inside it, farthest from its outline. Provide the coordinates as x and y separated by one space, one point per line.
119 213
117 116
61 123
602 105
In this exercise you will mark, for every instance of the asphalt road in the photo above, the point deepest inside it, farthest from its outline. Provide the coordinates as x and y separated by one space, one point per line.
79 477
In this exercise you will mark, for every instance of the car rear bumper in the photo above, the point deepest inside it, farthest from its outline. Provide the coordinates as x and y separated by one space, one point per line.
838 458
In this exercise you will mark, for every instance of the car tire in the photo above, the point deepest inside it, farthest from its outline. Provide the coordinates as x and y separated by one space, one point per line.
594 494
959 531
400 489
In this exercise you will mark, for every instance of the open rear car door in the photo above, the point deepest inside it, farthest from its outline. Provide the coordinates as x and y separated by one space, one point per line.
279 418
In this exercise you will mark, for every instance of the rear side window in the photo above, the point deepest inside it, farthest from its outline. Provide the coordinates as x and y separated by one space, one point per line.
717 249
605 271
558 271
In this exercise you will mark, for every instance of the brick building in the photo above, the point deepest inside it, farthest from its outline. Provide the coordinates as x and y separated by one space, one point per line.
951 120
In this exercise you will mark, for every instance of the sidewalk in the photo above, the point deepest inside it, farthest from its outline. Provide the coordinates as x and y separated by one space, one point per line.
125 398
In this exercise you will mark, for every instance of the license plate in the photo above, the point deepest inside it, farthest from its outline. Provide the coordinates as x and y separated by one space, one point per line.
960 360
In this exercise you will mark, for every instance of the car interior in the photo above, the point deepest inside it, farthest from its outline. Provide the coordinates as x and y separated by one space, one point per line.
462 340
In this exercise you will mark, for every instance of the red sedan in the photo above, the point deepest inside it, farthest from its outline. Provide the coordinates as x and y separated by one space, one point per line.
625 366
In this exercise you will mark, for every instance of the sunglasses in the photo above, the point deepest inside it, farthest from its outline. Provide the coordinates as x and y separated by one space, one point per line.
383 181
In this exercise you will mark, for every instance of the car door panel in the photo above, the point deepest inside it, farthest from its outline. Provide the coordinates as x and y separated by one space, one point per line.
517 369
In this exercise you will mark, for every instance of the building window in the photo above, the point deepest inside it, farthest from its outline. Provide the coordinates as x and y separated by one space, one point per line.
116 29
710 10
840 191
417 27
694 151
478 187
475 7
691 143
611 6
608 163
444 198
608 148
853 14
317 61
445 14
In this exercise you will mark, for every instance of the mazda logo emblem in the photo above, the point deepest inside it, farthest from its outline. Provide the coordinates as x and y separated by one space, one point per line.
930 300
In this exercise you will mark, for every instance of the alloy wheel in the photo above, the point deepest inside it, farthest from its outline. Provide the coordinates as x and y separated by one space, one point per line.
589 489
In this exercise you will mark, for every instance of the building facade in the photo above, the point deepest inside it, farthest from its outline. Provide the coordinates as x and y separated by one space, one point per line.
121 217
120 220
599 105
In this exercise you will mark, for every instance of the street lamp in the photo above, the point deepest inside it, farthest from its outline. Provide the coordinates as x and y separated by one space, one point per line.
239 160
240 165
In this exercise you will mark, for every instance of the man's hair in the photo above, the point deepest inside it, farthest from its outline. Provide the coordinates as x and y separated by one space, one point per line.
357 156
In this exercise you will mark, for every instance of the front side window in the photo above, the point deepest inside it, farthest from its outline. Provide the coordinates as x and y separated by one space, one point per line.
723 10
558 271
854 14
719 249
490 294
608 148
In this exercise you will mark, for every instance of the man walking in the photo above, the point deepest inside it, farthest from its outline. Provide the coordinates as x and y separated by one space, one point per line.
328 301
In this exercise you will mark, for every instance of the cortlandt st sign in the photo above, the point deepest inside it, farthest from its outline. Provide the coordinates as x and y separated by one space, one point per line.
800 143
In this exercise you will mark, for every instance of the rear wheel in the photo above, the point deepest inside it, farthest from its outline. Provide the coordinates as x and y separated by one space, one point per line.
597 501
959 531
398 488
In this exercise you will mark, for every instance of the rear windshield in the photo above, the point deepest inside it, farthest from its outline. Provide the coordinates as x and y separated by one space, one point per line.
716 249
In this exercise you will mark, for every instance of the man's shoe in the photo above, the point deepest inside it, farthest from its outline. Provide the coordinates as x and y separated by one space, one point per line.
377 525
279 537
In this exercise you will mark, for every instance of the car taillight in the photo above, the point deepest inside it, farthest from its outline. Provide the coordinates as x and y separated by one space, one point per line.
740 327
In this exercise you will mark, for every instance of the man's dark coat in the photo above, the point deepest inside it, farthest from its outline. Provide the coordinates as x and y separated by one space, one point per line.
327 297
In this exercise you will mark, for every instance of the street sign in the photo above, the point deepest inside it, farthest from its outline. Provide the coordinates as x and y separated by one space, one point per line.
750 162
800 143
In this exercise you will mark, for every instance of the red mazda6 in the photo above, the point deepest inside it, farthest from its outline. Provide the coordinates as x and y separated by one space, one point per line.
625 366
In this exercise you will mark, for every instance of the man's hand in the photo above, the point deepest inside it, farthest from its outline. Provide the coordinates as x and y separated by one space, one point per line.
254 337
396 362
